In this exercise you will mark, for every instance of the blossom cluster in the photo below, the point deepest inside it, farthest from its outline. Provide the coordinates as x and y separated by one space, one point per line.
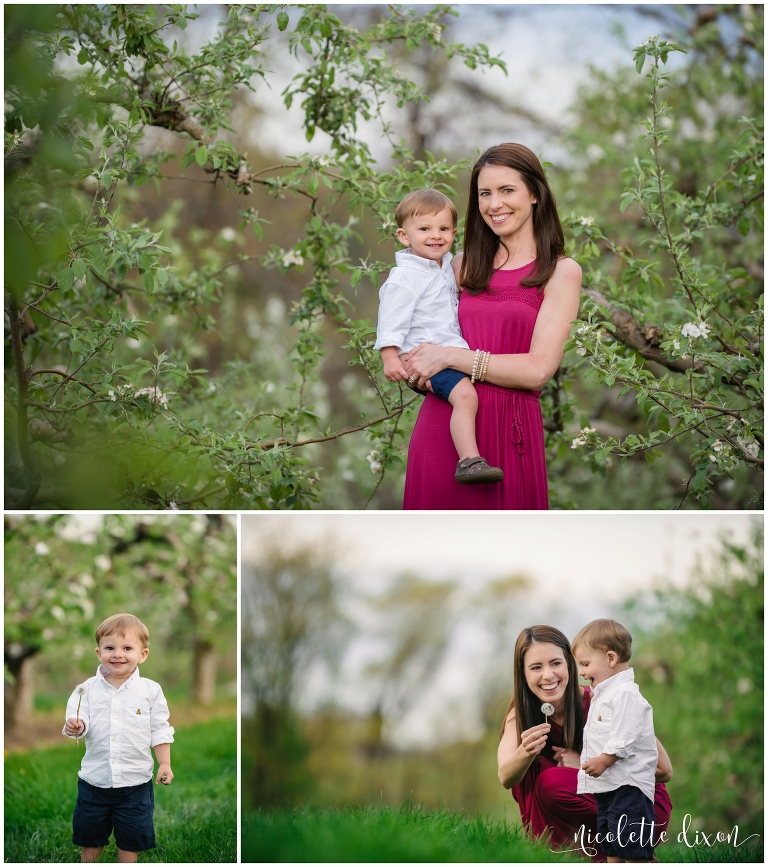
691 329
129 390
292 258
374 459
581 439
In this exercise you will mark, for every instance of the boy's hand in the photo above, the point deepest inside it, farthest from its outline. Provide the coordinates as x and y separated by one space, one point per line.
597 766
164 775
74 727
393 367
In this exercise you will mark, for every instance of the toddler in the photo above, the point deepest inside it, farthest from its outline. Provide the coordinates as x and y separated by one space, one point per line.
619 754
122 717
419 304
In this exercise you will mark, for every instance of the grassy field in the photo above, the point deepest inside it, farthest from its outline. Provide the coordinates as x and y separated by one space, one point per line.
411 834
385 834
195 817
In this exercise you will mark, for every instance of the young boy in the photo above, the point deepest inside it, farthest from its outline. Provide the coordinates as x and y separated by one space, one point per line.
419 304
122 716
619 755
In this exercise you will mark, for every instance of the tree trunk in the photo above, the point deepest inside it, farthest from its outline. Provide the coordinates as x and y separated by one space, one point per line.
204 674
19 695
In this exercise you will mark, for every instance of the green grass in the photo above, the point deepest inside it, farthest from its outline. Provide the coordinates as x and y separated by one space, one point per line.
386 834
415 835
195 817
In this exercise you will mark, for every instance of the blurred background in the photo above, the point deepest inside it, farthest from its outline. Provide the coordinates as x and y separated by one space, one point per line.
64 574
377 650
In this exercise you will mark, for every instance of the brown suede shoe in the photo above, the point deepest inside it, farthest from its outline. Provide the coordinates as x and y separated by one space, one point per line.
475 471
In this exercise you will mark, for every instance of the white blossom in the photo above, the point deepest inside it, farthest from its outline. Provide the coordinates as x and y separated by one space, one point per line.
58 612
750 446
155 395
173 506
292 258
373 460
587 221
228 233
41 549
101 561
691 329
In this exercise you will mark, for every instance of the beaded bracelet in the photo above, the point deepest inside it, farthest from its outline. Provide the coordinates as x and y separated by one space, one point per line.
484 367
475 366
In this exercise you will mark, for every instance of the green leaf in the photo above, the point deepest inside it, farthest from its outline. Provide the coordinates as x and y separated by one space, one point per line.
743 225
201 155
282 21
79 268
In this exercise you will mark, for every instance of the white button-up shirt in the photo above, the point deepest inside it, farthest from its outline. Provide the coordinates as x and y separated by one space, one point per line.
419 304
121 726
620 723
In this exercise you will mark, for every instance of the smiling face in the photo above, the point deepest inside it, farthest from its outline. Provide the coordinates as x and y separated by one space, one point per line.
505 203
546 672
120 654
596 665
429 235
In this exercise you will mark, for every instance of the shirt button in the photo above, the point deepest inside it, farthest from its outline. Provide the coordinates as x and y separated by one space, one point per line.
114 740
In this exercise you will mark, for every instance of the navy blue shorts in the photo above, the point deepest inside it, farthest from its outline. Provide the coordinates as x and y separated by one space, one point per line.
443 382
633 840
128 810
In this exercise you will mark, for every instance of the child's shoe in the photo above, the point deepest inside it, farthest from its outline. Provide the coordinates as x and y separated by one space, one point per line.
475 471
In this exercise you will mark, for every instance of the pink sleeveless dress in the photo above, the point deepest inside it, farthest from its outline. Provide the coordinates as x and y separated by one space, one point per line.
509 428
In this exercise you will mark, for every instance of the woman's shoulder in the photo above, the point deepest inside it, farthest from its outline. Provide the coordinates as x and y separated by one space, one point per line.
567 269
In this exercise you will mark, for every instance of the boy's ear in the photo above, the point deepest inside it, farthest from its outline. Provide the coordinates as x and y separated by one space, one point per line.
613 658
403 238
144 655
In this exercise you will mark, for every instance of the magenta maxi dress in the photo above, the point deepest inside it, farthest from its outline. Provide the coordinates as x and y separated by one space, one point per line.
509 428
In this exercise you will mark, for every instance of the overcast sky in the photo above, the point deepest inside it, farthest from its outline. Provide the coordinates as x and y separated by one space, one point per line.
580 565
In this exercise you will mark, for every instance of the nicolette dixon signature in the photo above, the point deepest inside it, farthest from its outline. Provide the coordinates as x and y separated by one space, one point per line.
644 833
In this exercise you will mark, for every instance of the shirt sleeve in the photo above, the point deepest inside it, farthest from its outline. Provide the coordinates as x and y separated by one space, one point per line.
161 730
626 725
83 715
397 303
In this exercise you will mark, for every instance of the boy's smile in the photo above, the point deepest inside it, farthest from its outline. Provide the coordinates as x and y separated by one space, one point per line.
596 666
428 235
120 654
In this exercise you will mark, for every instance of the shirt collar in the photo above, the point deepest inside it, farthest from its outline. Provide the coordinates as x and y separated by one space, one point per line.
627 676
132 680
406 259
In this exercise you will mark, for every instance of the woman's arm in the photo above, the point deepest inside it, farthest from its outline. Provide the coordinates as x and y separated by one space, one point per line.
663 766
515 757
530 370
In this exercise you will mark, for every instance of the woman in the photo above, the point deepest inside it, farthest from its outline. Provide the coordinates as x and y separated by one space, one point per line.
519 295
539 762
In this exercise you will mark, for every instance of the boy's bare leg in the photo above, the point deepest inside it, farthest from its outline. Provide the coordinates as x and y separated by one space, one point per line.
90 853
124 857
463 399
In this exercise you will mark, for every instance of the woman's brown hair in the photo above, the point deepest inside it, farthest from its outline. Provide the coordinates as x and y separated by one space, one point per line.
528 706
480 242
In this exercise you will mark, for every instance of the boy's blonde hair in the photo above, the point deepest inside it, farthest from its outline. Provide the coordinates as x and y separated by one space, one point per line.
421 202
120 624
605 635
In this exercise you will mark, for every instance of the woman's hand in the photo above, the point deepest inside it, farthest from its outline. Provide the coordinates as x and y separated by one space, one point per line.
534 739
424 362
566 758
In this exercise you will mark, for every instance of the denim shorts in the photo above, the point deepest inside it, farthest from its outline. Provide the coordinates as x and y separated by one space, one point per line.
128 810
443 382
630 802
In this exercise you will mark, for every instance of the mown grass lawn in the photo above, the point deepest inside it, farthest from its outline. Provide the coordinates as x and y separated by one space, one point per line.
385 834
195 817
